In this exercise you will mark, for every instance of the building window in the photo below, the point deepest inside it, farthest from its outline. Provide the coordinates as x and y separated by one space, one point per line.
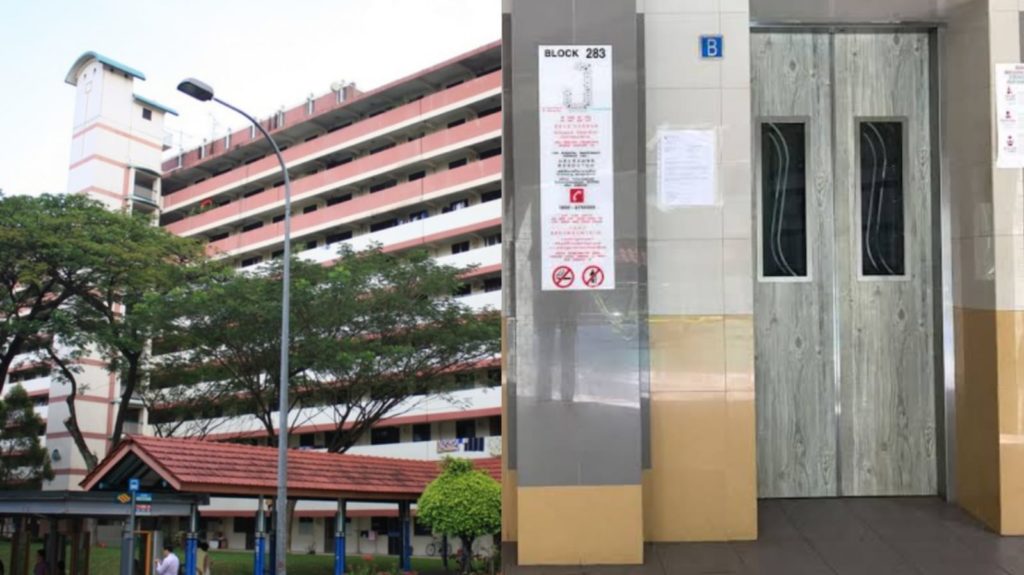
494 422
490 196
465 428
458 122
492 284
460 247
420 215
305 525
783 200
421 432
307 440
383 225
311 245
881 199
339 237
379 149
492 240
338 199
309 209
252 226
383 186
251 261
278 254
384 435
463 289
147 114
278 218
417 175
456 205
457 164
488 111
218 237
490 153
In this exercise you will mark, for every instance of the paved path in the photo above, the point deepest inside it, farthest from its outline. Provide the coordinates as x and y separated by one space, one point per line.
870 536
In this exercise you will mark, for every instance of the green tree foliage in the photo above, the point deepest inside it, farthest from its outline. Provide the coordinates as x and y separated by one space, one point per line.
23 460
463 502
367 333
74 275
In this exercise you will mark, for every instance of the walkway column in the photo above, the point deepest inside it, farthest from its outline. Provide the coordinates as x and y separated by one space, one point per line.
190 541
339 539
405 561
575 277
259 559
19 547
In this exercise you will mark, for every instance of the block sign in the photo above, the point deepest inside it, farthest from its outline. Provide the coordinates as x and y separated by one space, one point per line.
576 168
143 497
711 46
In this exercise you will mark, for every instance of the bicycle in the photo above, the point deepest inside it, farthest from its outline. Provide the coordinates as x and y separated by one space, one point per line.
435 546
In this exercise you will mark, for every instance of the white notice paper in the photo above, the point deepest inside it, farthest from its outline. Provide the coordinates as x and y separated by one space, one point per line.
687 168
576 168
1010 115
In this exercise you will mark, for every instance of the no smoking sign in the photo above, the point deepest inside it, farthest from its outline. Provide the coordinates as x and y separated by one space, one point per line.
563 276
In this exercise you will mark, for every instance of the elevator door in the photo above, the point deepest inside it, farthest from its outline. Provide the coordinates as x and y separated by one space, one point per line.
843 303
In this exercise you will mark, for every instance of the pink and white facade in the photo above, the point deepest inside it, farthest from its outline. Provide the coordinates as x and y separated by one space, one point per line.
413 164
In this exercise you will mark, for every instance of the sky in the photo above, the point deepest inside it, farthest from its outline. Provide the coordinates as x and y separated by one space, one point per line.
258 54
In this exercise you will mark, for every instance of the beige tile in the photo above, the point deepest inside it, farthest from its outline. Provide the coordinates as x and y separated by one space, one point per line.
1011 495
1004 35
1007 202
736 188
685 277
679 222
736 57
739 353
738 269
974 273
977 429
741 461
736 6
734 142
1009 272
681 6
581 525
688 353
673 51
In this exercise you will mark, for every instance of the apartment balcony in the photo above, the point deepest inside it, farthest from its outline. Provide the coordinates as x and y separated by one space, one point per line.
482 258
484 300
418 232
429 450
35 385
145 198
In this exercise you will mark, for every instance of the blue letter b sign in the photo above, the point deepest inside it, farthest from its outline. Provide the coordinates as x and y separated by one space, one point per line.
711 46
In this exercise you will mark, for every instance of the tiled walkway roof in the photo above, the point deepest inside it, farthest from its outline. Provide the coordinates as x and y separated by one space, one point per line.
194 466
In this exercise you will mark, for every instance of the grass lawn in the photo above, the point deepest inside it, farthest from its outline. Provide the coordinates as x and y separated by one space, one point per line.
106 561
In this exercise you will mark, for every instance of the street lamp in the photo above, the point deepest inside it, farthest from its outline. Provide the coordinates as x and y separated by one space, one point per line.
204 92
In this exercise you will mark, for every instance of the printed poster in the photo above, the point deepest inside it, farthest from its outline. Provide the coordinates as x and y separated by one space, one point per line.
1009 115
576 168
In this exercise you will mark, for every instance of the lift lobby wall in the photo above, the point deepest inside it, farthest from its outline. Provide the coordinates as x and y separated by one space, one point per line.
690 423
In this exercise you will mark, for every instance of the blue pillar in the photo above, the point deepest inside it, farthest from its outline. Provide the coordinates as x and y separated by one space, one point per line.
339 539
191 541
259 560
405 561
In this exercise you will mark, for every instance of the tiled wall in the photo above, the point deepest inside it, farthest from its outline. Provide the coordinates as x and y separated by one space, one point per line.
702 480
987 218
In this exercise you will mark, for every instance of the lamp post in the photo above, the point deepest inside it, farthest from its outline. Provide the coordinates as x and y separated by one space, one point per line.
204 93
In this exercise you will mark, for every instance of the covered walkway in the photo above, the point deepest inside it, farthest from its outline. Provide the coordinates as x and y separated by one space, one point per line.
180 466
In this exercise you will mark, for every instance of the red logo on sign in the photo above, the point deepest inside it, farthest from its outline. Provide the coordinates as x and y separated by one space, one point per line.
593 276
577 195
562 277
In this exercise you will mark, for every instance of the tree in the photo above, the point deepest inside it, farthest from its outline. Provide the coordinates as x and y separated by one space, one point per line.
24 463
47 259
74 276
367 334
463 502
